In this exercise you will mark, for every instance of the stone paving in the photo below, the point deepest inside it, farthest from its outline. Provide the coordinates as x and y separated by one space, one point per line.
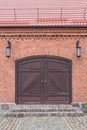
76 123
42 123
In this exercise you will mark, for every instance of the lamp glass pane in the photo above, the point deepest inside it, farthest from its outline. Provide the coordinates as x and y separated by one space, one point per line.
78 51
8 52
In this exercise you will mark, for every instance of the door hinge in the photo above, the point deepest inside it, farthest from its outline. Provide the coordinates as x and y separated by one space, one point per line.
62 94
24 94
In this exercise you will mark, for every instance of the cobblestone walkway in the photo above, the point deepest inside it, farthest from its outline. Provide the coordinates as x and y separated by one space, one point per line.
42 123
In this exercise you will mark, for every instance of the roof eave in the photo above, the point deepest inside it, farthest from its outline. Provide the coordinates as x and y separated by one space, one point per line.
45 26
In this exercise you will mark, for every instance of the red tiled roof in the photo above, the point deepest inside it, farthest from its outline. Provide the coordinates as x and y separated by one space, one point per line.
43 17
80 22
14 23
43 3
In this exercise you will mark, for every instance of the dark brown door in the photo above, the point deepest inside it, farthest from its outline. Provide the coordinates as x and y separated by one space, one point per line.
43 79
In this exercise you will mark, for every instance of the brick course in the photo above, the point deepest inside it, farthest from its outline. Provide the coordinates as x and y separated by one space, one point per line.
43 41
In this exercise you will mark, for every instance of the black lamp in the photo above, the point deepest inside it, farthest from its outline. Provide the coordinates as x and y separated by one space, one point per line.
78 49
8 49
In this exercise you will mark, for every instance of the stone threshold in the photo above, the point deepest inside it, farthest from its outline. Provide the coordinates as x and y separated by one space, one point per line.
39 114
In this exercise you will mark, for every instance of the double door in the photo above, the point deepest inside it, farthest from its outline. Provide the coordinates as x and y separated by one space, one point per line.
43 80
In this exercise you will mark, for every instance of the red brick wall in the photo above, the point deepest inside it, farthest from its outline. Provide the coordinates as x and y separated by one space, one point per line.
39 41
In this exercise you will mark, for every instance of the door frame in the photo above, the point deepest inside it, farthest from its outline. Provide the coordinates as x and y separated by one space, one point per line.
42 56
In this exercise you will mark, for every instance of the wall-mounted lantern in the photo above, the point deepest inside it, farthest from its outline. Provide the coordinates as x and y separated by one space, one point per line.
78 49
8 49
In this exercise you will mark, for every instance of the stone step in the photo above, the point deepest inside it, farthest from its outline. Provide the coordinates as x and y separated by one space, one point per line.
44 110
22 114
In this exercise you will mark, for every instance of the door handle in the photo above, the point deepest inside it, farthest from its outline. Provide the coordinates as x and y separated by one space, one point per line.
41 81
45 81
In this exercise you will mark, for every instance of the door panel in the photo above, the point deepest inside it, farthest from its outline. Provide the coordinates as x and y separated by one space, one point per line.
29 77
57 86
30 87
57 75
43 80
54 65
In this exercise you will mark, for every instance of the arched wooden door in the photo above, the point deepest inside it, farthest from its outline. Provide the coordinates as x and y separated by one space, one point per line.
43 80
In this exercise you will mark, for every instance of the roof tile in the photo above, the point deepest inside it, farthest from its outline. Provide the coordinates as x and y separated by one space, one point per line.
43 17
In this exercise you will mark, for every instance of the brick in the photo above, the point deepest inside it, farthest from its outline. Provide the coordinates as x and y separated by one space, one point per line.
43 41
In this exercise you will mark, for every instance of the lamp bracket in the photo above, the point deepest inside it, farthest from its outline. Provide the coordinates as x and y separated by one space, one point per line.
9 44
77 44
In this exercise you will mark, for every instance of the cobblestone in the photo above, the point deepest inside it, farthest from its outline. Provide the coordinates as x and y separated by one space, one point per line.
42 123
